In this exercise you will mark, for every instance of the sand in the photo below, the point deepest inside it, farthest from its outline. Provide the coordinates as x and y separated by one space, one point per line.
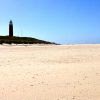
50 72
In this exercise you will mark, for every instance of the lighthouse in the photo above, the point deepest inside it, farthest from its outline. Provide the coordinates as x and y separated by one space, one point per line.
10 28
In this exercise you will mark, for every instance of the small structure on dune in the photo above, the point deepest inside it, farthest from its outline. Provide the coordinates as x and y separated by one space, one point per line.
20 40
10 28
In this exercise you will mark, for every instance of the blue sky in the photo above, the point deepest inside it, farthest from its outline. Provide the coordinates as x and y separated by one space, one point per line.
61 21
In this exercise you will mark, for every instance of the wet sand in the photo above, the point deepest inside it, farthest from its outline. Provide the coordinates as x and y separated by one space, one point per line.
50 72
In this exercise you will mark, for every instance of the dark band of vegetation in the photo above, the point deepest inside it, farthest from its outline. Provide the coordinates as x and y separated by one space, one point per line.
22 40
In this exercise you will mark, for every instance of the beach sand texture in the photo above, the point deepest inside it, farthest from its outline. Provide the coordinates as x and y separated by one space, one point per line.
55 72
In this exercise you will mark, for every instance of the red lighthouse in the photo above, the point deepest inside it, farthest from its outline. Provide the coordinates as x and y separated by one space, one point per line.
10 28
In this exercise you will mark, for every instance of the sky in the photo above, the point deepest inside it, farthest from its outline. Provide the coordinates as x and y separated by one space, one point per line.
60 21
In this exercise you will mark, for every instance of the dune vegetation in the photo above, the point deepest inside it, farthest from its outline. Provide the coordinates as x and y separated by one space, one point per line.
22 40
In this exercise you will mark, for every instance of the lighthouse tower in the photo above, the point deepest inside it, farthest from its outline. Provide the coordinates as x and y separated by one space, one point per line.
10 28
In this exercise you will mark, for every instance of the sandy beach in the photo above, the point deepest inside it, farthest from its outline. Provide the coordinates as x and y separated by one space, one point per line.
50 72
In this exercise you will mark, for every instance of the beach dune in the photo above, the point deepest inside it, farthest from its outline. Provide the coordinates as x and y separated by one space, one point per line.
50 72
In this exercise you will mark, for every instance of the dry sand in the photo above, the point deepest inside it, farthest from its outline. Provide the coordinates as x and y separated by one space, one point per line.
70 72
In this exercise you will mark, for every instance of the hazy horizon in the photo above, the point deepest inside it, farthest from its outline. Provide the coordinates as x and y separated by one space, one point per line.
60 21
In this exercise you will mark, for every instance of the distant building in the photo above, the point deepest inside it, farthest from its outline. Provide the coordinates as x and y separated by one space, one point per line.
10 28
